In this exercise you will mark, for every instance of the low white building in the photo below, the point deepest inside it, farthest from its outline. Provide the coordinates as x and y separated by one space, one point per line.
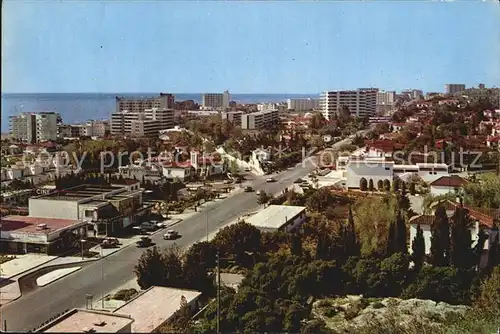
89 321
278 218
372 170
483 220
181 171
157 305
261 155
447 184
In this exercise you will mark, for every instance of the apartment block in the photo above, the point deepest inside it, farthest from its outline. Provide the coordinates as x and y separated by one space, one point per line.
34 127
215 100
454 88
164 100
302 104
260 120
361 102
233 117
148 122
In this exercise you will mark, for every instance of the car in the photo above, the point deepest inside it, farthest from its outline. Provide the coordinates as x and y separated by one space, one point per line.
149 226
109 242
271 179
248 189
299 180
139 230
144 242
228 181
170 234
247 169
258 192
160 224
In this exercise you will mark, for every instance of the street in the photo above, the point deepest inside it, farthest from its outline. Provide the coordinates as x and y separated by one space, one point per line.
35 307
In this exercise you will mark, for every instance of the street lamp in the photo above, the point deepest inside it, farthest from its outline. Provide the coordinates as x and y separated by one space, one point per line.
102 265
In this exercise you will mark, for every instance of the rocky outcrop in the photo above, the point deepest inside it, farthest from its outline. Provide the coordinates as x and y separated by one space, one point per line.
352 312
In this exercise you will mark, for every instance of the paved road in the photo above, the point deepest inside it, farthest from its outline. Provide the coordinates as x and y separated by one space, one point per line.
102 276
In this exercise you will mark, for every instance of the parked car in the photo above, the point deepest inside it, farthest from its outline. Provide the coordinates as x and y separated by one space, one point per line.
299 180
170 234
228 181
139 230
247 169
159 224
148 226
144 242
271 179
248 189
109 242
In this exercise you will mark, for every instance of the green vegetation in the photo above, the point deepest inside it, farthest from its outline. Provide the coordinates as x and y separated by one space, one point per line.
125 294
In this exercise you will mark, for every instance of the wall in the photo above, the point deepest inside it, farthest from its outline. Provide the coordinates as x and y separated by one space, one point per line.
299 220
357 170
180 173
427 237
45 208
441 190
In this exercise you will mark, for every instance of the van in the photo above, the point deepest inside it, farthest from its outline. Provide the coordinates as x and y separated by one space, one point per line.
148 225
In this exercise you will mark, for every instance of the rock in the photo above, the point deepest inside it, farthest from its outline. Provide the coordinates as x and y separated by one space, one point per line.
355 311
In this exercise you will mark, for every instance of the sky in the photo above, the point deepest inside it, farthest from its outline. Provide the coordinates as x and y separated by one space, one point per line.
247 47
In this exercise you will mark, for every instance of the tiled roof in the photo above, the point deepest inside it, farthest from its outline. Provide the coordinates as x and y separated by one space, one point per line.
484 216
449 181
422 220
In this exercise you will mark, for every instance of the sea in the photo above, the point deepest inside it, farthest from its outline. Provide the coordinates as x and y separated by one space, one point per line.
79 107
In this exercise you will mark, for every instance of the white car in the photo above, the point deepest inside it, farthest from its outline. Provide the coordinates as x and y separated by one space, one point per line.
170 234
271 179
161 225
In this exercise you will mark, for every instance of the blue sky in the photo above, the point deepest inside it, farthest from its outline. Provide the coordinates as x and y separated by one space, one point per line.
259 47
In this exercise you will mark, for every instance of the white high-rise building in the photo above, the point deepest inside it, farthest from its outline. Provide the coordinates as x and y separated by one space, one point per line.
306 104
260 120
361 102
215 100
164 100
139 124
34 127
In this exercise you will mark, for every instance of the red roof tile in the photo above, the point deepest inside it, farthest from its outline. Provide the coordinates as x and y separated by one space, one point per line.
449 181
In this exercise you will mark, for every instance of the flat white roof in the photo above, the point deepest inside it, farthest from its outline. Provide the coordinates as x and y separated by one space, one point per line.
274 216
155 306
78 321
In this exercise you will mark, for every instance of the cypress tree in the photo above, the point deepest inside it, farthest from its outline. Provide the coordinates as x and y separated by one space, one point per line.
353 248
296 245
493 249
391 247
440 238
478 249
461 241
418 249
400 240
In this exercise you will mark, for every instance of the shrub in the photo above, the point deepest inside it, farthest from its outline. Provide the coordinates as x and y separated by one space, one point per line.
330 311
378 305
324 303
125 294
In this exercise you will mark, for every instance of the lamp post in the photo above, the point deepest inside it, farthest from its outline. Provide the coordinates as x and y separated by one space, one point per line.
102 265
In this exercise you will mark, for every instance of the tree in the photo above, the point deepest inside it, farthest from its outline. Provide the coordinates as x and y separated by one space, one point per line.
317 121
482 237
396 184
370 185
440 238
296 245
363 184
350 239
400 243
446 284
418 249
413 189
494 249
380 185
151 269
237 239
488 299
387 185
391 240
263 197
461 254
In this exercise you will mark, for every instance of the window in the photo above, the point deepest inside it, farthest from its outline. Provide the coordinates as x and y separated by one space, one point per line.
387 168
89 213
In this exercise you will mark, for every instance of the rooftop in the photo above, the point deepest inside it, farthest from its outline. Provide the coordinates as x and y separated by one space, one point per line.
80 321
147 311
84 191
275 216
28 224
449 181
